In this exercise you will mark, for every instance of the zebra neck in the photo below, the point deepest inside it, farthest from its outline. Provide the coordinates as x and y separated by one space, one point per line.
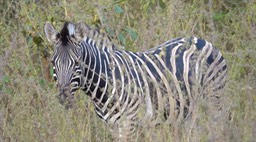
95 70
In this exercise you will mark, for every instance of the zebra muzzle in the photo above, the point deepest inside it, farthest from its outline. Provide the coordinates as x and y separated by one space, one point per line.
65 97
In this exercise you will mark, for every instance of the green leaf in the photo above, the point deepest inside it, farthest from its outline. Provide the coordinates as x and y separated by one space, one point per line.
110 32
132 33
219 16
51 72
38 40
162 4
118 9
42 82
52 20
6 79
121 38
119 1
29 40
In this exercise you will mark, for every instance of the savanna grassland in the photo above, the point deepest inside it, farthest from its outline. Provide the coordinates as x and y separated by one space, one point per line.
30 111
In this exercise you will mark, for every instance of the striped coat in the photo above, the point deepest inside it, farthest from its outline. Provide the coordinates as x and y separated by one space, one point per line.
129 89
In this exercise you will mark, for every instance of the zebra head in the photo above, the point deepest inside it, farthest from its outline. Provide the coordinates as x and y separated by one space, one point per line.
65 58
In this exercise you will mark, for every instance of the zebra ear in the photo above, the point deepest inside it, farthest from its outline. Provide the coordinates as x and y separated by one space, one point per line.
50 32
80 31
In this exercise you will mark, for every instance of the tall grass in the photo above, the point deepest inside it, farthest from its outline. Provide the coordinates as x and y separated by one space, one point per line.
29 110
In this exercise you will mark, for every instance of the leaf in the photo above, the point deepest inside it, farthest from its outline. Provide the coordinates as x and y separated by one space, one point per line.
118 9
38 40
6 79
119 1
121 38
110 32
132 33
219 16
29 40
52 20
42 82
162 4
51 72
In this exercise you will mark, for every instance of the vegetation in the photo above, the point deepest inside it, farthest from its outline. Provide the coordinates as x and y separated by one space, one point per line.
29 110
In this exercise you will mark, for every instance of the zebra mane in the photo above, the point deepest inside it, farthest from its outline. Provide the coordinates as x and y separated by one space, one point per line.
80 31
67 31
100 37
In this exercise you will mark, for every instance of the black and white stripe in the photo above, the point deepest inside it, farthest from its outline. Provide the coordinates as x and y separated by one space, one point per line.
159 84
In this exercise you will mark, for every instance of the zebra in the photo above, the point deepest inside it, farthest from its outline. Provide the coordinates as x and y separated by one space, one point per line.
128 88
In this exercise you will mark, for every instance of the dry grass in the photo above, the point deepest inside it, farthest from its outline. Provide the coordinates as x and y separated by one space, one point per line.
29 110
